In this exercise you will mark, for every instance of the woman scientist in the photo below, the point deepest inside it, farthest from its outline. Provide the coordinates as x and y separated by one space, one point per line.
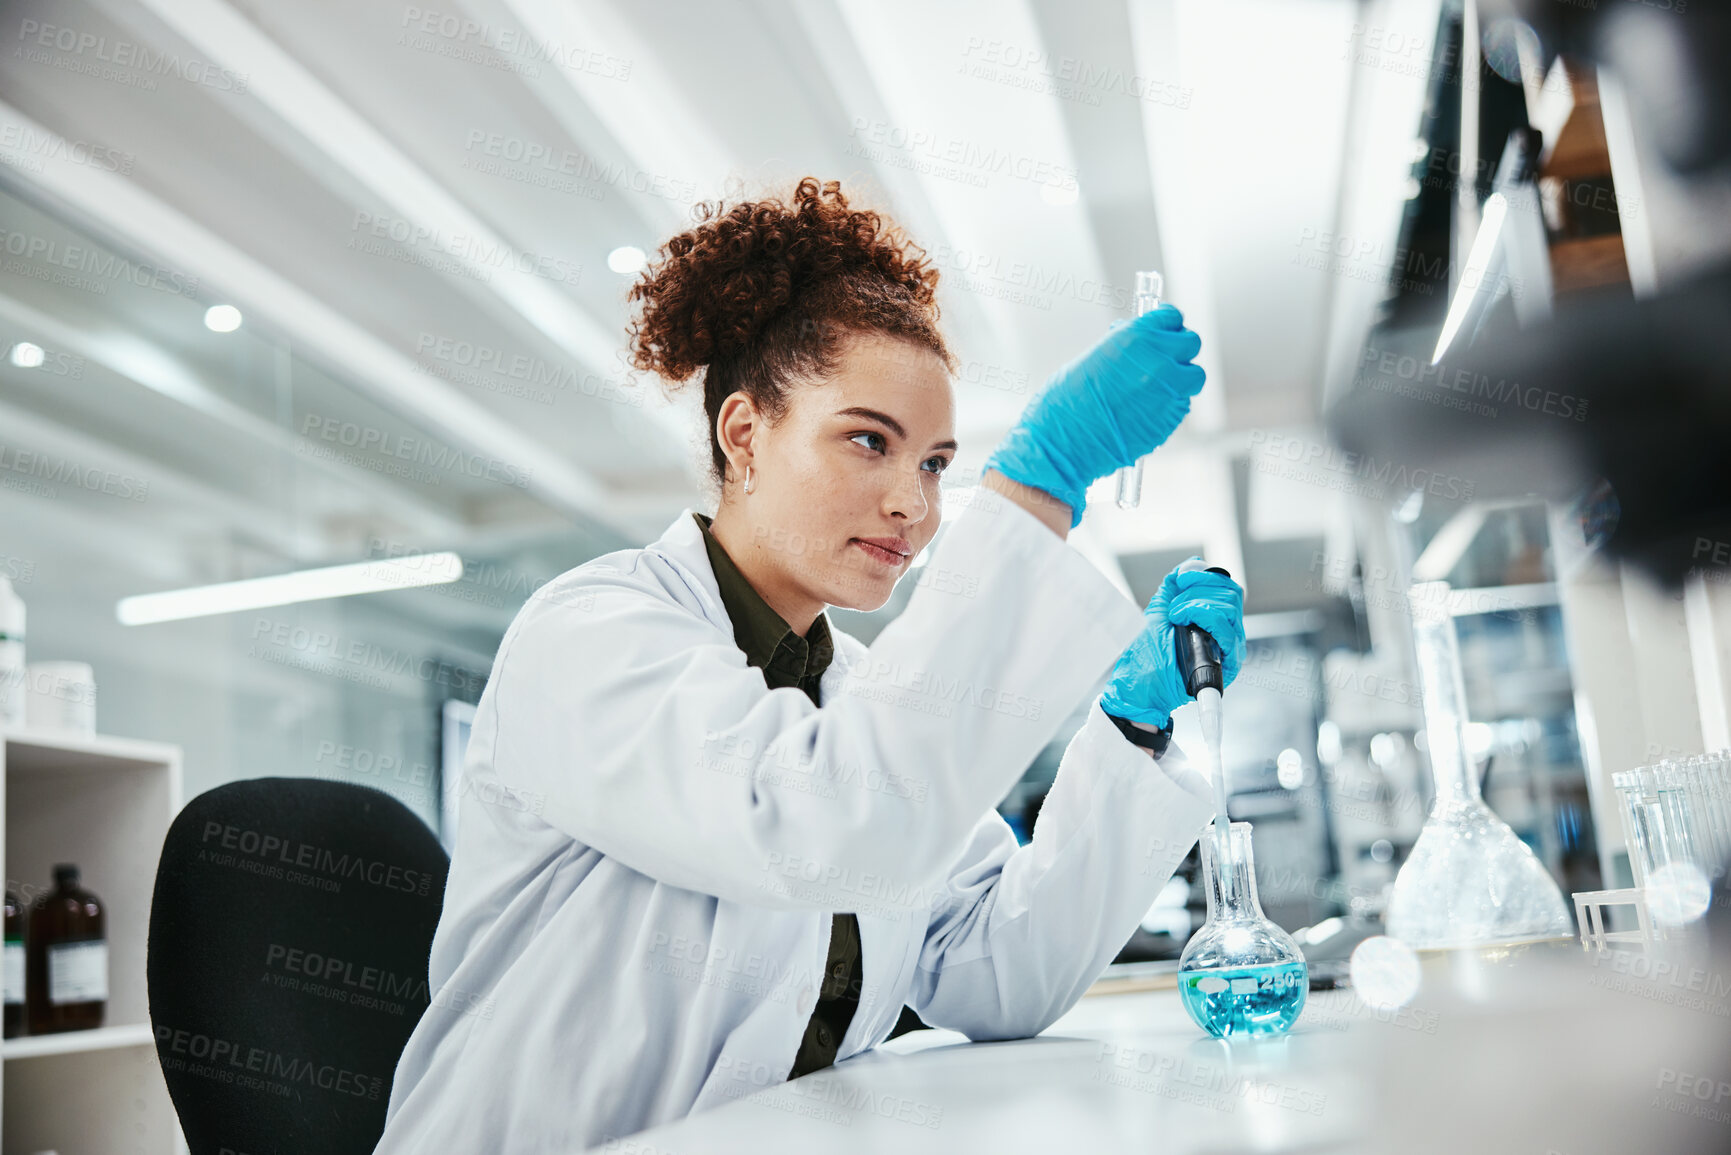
724 843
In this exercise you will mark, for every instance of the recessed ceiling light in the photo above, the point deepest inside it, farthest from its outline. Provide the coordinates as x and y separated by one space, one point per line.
627 259
27 356
222 318
1059 194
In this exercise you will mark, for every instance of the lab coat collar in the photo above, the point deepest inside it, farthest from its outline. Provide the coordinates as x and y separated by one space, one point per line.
682 544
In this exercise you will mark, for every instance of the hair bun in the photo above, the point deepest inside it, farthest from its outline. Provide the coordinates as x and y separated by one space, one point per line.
712 290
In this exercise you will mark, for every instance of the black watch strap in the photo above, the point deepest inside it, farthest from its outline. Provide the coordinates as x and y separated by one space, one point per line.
1155 740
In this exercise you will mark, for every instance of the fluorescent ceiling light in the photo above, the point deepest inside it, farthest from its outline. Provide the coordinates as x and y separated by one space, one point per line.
1472 281
626 259
27 356
222 318
311 585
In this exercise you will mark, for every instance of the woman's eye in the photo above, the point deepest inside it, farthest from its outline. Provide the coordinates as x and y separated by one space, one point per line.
877 441
937 464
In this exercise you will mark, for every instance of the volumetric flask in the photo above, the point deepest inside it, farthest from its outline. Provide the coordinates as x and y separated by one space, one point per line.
1240 976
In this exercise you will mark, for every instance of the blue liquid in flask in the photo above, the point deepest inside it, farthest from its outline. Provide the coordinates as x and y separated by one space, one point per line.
1240 976
1246 1002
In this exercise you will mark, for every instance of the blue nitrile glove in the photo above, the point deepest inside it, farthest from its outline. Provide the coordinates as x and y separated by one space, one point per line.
1146 684
1115 403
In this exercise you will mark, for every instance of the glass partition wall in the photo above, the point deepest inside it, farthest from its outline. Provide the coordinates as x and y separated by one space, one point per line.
148 444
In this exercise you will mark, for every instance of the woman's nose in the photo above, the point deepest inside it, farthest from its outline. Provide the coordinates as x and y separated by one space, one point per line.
907 497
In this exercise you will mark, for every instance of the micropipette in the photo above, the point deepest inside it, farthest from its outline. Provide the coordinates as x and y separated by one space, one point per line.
1199 661
1148 287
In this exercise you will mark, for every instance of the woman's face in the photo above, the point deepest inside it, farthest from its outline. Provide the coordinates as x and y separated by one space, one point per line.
845 484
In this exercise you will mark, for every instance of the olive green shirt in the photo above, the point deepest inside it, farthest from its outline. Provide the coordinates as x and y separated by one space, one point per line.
787 659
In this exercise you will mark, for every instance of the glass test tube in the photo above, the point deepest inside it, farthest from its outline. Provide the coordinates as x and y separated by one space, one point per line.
1711 792
1148 288
1634 825
1713 789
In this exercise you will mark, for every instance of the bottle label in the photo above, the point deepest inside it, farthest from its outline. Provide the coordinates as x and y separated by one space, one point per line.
12 682
14 972
78 973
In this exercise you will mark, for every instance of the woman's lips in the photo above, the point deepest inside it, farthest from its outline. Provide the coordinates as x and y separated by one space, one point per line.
890 551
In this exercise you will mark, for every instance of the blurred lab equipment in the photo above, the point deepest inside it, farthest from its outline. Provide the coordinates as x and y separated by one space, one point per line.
1677 822
1621 386
1148 288
1240 975
1469 879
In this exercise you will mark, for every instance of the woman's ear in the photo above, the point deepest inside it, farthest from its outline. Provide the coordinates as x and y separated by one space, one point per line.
736 426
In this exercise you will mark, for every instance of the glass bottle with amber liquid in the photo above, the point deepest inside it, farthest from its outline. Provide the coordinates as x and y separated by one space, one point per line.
67 977
14 965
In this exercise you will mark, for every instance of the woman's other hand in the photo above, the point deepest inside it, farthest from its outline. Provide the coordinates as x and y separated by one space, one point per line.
1147 684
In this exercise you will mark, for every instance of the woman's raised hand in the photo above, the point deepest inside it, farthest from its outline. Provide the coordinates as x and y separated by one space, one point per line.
1112 405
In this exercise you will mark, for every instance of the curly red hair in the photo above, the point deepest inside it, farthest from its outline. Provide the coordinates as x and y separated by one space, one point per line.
766 293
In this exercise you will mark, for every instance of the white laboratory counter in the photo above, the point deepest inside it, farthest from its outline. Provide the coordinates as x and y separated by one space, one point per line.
1534 1050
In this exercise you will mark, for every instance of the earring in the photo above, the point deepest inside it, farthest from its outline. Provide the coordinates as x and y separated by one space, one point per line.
748 479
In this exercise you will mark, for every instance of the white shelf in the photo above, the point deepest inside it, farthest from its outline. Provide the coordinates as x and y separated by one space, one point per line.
104 803
73 1042
59 749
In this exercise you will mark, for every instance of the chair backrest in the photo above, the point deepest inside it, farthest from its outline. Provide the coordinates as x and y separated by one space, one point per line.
289 935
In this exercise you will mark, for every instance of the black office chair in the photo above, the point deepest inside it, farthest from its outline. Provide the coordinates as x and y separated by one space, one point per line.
287 964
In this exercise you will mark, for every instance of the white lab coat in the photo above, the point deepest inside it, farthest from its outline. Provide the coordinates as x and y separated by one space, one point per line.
651 842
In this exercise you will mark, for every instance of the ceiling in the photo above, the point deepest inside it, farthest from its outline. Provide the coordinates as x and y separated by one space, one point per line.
413 207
